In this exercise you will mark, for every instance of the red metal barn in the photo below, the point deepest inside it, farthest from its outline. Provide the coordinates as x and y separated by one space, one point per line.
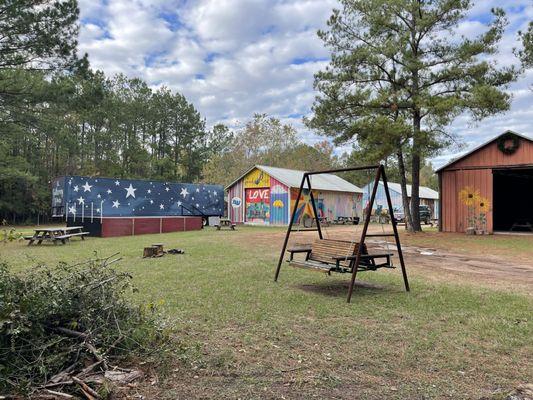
489 188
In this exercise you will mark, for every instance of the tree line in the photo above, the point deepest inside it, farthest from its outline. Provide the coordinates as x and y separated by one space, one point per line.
398 77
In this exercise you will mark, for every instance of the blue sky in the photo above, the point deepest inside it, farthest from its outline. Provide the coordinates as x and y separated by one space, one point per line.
234 58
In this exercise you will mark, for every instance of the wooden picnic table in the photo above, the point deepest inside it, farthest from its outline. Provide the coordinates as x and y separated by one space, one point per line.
55 234
225 222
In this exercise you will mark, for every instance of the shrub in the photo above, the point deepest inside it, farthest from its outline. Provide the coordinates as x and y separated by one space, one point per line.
67 317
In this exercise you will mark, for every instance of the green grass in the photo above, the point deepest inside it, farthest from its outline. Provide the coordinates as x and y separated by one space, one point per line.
249 337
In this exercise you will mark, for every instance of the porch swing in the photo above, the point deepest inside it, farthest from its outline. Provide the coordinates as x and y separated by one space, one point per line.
343 256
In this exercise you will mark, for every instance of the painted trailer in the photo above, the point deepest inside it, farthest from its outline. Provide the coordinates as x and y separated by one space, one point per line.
118 207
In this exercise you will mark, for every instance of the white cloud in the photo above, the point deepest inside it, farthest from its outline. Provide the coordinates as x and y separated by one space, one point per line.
234 58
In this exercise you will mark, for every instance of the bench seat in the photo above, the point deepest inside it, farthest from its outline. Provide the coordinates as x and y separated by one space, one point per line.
327 255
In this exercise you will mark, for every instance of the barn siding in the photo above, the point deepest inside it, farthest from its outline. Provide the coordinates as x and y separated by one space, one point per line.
491 156
454 213
396 199
236 215
329 203
279 203
475 170
338 204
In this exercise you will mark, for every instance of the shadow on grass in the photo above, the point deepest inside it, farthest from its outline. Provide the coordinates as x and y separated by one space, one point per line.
340 288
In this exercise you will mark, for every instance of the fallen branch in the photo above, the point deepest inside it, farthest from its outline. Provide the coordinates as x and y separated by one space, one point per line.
86 388
72 333
59 394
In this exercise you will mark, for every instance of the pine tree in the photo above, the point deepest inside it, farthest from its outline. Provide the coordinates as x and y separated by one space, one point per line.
399 63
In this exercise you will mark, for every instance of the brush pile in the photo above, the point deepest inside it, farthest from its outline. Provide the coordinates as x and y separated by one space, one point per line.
64 329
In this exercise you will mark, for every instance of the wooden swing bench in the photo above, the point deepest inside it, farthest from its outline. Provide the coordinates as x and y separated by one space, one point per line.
331 255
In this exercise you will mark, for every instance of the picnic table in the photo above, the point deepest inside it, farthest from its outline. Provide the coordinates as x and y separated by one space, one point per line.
346 220
55 234
225 222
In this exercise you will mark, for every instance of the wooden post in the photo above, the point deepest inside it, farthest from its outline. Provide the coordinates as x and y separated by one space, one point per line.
295 208
395 229
363 234
314 207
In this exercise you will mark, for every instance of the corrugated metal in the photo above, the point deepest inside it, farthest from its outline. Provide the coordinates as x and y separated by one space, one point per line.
427 197
472 158
279 203
475 170
491 156
236 214
334 205
293 178
424 191
454 213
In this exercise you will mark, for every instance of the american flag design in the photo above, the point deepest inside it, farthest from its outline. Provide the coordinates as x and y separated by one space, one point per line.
95 197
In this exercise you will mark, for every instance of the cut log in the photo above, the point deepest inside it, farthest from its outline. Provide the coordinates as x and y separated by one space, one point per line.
155 250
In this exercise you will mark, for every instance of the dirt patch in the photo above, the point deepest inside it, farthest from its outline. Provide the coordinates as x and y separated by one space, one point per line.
500 267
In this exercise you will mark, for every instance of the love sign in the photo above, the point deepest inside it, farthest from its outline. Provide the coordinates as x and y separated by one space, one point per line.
257 195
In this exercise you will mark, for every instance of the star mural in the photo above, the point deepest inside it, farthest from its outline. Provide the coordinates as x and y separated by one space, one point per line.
86 197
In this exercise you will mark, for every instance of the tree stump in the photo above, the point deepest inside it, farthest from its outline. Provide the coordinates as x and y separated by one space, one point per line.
155 250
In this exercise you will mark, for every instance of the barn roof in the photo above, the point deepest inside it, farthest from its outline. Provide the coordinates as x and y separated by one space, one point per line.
424 191
453 161
293 178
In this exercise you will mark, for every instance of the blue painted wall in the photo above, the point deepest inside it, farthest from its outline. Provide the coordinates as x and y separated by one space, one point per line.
396 198
95 196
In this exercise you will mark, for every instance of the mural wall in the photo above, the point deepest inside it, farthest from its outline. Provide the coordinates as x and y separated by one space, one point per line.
236 202
279 203
261 199
331 205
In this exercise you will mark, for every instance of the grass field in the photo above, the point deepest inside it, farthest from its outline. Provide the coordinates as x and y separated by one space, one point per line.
247 337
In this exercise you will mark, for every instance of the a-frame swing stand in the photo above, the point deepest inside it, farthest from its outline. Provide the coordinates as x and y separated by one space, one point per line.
359 260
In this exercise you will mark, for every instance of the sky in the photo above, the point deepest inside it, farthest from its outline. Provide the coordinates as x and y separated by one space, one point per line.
235 58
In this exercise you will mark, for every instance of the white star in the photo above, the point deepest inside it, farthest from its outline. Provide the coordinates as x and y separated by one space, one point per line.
109 191
116 204
161 206
87 187
117 183
81 200
99 196
197 205
149 191
76 188
98 210
215 193
130 191
167 189
198 190
179 203
72 210
184 192
70 182
151 202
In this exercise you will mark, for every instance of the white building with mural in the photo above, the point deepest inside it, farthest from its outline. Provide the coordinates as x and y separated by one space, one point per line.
265 195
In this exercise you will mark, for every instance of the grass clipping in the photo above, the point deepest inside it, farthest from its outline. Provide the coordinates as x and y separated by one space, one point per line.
64 328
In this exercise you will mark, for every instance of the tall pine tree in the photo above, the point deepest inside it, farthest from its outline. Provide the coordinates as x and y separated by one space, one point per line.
400 63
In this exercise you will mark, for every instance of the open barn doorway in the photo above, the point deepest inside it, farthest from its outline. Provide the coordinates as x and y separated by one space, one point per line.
513 200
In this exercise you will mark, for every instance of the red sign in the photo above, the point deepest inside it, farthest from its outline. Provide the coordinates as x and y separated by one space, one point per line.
257 195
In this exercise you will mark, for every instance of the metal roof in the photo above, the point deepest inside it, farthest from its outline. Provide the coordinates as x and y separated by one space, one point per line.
424 191
453 161
293 178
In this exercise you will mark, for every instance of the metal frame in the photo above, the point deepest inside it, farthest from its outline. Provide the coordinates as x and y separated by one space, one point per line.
380 175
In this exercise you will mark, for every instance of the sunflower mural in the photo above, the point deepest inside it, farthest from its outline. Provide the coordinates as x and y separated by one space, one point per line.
477 207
